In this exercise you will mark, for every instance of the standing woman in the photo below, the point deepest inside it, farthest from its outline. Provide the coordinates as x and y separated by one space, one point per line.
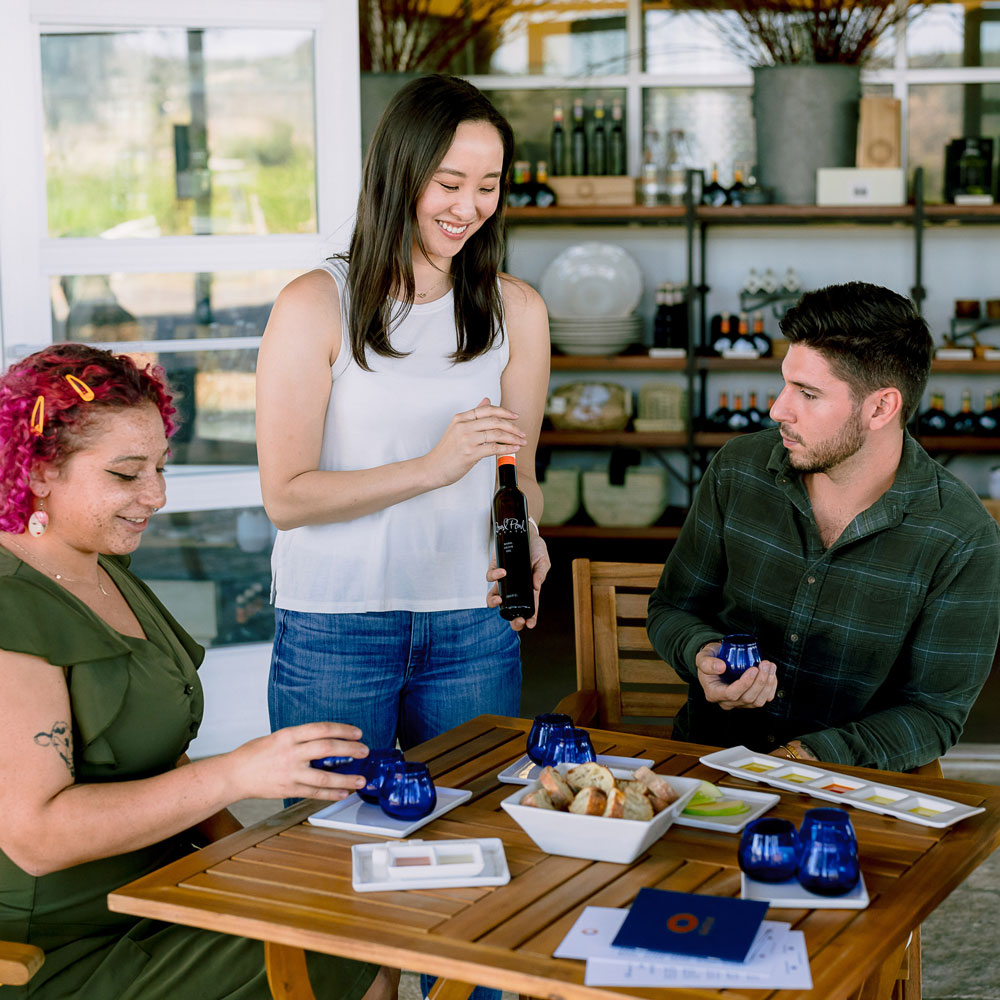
389 380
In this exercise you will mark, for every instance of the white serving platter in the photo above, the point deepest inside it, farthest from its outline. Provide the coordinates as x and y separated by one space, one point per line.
451 864
845 790
792 895
524 770
354 814
759 803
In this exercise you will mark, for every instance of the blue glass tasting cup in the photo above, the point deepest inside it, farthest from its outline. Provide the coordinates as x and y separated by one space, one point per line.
769 850
377 765
828 853
740 653
543 729
572 746
340 765
407 791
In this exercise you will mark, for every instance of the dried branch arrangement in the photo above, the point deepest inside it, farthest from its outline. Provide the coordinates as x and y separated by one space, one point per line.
769 32
426 36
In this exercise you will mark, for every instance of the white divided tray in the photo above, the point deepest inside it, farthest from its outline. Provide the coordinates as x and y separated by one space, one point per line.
355 814
524 770
846 790
793 896
428 864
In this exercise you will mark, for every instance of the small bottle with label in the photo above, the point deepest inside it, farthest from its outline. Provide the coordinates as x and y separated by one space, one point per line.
510 526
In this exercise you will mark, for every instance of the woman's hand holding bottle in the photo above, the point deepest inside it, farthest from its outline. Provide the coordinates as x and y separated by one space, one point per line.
472 435
540 566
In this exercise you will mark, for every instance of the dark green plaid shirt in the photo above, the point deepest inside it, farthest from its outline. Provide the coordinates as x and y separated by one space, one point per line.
882 641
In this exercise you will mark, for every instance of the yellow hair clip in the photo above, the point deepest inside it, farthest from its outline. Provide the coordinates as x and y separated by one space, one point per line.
80 388
38 416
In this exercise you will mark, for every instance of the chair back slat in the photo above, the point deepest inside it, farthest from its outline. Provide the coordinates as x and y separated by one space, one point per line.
614 655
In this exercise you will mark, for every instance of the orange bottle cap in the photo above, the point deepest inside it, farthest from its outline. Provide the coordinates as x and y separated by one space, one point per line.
506 460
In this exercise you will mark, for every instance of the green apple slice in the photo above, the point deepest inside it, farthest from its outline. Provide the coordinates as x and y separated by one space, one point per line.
707 792
717 807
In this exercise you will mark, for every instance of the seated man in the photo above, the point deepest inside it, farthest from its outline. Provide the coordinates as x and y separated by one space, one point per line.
869 574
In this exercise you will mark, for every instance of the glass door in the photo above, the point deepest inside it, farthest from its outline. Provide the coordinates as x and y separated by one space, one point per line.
166 169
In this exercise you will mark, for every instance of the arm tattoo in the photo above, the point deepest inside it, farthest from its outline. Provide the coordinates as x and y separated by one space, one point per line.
59 737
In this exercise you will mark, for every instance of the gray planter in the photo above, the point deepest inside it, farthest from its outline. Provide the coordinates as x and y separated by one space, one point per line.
806 117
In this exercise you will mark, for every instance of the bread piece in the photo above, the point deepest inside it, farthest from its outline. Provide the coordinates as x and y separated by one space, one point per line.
638 806
555 784
615 805
657 786
591 776
589 802
539 798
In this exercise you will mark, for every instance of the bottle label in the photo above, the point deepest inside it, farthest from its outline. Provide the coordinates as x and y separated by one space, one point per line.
513 525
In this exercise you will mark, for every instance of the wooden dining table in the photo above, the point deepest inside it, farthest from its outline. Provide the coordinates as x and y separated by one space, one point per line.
288 883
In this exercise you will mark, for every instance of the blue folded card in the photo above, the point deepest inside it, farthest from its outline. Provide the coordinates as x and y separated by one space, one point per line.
687 924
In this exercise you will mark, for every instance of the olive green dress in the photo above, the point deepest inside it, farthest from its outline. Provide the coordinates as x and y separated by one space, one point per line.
136 705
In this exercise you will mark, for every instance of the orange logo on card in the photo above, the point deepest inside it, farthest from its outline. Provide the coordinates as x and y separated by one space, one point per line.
681 923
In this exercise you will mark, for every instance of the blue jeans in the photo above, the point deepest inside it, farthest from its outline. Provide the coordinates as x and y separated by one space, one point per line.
394 674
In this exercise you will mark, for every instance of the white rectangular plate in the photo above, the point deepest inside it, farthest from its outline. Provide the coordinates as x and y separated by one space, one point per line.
808 778
354 814
791 895
524 770
369 875
759 803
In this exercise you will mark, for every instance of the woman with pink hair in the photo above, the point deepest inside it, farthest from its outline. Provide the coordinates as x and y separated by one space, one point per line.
99 699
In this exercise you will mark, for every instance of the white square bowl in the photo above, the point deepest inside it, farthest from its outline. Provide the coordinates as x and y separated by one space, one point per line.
597 838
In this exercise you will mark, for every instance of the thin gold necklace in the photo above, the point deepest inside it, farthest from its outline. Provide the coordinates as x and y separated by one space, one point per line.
59 576
433 288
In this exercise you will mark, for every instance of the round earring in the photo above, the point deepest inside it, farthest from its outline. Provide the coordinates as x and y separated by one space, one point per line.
38 523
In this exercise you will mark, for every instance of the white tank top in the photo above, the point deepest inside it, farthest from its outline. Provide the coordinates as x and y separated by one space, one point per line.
428 553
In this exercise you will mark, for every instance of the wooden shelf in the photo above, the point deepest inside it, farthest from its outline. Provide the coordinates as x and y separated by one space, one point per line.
654 531
933 443
618 362
753 214
610 439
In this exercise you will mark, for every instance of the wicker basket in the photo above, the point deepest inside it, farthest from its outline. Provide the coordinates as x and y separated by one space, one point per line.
589 406
561 491
662 407
636 504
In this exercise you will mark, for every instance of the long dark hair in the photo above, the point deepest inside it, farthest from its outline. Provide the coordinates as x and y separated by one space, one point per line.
412 137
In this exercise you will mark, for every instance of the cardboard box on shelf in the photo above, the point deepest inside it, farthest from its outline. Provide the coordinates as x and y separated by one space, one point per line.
860 186
583 191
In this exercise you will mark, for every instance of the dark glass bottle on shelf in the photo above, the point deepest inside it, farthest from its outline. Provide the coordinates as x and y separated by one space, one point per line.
557 152
934 420
578 141
520 194
766 419
743 345
966 420
714 193
755 414
510 525
599 142
760 339
723 340
989 419
663 320
718 420
542 194
618 160
738 419
734 194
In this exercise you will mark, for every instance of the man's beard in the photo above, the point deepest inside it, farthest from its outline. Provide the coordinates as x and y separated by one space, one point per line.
833 451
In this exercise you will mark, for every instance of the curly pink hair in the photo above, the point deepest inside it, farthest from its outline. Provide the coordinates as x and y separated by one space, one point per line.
117 383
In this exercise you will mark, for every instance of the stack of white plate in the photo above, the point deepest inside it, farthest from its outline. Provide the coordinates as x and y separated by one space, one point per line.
604 335
591 291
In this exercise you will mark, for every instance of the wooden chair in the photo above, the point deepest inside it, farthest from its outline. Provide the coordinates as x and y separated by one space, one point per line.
19 962
621 682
